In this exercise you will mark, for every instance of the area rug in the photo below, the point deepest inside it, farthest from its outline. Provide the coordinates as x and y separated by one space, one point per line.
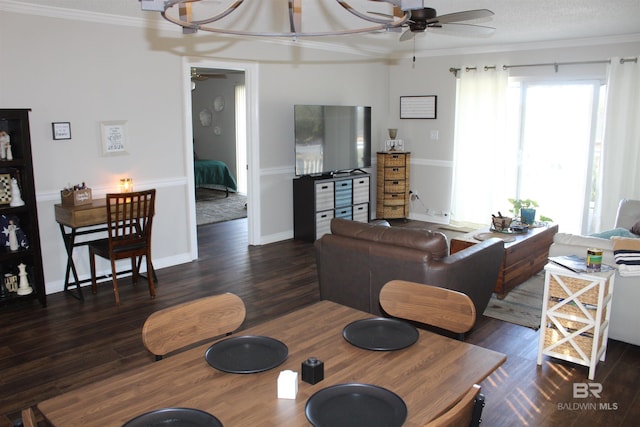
522 305
212 206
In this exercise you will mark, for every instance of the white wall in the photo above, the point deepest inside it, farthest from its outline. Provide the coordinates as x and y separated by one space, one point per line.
87 72
432 160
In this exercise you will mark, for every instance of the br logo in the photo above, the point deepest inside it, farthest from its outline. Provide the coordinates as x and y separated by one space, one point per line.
584 390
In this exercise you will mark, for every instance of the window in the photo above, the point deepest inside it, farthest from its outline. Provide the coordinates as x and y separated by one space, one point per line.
556 126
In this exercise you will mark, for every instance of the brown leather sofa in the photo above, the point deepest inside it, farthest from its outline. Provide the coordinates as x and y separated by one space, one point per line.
357 259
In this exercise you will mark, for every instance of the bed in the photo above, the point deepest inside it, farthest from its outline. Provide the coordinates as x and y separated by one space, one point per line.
214 173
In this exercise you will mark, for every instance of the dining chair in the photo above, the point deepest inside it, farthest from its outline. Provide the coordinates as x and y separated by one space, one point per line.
28 418
430 305
467 412
129 221
185 324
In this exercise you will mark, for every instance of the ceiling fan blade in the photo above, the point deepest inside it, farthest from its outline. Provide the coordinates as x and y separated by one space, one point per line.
460 29
466 15
407 35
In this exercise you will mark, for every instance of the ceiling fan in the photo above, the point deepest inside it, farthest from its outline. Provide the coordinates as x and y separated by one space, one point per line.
425 18
200 75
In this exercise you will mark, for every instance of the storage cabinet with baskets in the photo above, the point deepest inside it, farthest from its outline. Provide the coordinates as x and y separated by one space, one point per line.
316 200
392 185
576 310
21 272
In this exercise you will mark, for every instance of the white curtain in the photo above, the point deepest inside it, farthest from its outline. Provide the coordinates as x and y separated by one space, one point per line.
483 162
621 144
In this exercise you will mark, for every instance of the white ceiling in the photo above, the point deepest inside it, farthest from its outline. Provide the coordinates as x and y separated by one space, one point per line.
530 23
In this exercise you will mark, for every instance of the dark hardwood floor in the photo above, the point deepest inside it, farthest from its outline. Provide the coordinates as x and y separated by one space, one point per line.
47 351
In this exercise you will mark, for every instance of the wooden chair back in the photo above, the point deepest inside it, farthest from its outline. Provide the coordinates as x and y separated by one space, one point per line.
130 216
185 324
430 305
129 220
466 413
29 418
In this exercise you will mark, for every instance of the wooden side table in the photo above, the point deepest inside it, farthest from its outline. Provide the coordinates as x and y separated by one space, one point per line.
575 316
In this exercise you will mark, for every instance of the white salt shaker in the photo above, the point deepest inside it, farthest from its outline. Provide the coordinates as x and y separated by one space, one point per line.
287 384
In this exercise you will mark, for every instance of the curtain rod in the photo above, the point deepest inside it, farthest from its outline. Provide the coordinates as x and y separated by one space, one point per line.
556 65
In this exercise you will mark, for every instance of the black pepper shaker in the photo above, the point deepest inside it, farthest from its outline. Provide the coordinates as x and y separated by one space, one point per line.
312 370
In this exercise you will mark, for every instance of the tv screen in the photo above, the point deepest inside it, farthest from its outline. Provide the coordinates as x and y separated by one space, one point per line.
331 138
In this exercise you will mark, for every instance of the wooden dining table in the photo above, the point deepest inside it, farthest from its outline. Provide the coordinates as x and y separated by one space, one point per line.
430 376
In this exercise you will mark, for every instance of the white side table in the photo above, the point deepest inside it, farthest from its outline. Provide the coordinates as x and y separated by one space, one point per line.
575 316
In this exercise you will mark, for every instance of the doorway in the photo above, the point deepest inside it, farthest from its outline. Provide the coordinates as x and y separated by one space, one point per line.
249 128
218 107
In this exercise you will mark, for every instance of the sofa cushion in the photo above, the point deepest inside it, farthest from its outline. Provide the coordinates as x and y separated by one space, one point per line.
636 228
618 232
582 241
433 242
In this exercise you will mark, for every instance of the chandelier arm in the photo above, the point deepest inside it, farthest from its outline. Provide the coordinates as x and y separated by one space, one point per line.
196 24
393 23
381 27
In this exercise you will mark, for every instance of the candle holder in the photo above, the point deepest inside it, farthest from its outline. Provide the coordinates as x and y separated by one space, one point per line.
126 185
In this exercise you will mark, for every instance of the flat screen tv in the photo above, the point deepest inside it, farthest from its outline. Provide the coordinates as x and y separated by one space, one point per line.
331 138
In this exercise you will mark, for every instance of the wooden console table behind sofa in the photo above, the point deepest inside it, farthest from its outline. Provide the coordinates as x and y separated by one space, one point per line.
525 256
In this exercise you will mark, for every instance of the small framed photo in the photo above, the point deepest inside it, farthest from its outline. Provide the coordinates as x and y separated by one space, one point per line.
113 139
61 130
418 107
394 145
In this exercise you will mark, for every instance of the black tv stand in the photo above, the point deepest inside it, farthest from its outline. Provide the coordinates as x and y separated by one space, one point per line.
319 198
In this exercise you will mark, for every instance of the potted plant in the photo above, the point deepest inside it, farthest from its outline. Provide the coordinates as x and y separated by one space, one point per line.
525 208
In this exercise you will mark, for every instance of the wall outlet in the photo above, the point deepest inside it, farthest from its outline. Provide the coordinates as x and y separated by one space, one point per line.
413 196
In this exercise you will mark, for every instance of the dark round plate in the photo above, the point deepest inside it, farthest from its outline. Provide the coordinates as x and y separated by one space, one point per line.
174 417
247 354
380 333
357 405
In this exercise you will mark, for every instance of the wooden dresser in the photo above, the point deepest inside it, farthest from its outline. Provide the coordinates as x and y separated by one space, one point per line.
392 184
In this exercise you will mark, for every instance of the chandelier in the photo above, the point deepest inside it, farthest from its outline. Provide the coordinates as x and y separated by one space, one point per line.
184 18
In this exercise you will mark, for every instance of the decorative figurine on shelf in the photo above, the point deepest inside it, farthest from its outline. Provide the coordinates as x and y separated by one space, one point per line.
24 288
11 282
5 145
13 238
4 292
16 198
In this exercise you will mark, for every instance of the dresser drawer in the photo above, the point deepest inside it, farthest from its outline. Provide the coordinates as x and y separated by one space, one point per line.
324 196
396 172
398 186
361 212
361 190
394 199
344 213
396 159
394 212
344 193
323 223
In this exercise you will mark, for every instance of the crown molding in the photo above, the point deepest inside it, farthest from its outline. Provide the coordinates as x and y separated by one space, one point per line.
518 47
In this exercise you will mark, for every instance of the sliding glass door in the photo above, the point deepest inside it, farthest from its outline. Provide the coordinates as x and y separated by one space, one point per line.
557 139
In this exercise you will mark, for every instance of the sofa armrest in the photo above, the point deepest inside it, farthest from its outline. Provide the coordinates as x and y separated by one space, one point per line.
573 244
472 271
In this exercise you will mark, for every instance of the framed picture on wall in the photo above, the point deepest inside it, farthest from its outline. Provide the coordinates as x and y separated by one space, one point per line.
113 137
61 130
418 107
